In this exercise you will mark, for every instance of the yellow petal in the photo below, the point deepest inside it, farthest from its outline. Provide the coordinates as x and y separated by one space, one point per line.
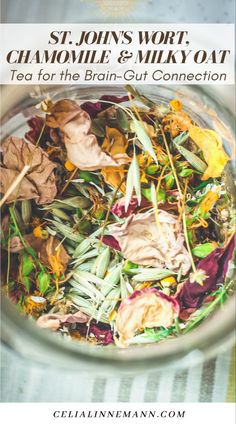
208 201
115 142
211 145
176 105
113 177
69 166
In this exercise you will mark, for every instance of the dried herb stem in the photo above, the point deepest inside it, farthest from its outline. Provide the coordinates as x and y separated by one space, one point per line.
181 199
26 246
110 206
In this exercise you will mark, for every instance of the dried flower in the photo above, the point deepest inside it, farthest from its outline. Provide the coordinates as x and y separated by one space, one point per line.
211 145
215 266
75 124
55 321
147 308
145 243
39 232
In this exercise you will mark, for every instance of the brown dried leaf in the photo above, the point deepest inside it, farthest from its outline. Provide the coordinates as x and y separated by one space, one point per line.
38 183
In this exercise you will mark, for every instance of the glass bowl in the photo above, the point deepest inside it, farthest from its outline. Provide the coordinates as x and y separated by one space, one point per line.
210 109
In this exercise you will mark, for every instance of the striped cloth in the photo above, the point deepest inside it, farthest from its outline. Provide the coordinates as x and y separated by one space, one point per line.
25 381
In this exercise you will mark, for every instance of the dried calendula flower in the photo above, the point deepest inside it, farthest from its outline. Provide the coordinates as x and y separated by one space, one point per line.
34 305
176 105
147 308
208 201
169 282
82 147
176 122
213 151
69 166
115 144
39 232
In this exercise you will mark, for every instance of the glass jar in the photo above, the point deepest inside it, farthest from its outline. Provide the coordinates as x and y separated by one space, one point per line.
210 108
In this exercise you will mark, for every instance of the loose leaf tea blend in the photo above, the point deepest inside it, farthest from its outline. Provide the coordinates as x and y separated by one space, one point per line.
117 224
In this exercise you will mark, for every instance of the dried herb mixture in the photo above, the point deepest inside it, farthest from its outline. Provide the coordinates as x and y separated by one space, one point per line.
117 224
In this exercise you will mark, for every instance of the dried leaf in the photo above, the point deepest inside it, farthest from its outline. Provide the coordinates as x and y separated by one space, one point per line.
211 145
38 183
193 159
51 252
144 138
43 281
133 183
202 250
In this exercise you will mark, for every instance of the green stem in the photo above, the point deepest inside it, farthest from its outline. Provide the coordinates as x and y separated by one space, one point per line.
181 198
110 206
26 246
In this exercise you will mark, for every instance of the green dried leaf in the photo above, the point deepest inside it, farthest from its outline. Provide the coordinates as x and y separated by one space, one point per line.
98 127
26 211
85 287
84 247
152 169
154 196
27 265
181 138
89 276
67 231
122 119
151 274
133 182
123 286
185 172
161 195
59 213
109 303
137 95
128 267
202 250
43 281
103 262
169 182
144 138
112 279
26 281
193 159
136 178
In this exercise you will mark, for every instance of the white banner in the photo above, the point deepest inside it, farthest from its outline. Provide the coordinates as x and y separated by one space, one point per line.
117 53
115 413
